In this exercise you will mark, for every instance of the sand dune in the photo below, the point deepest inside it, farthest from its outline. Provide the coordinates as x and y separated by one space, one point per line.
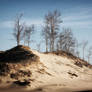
50 72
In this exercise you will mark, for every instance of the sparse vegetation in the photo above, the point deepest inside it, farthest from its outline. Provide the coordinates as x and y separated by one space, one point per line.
66 42
20 73
17 54
18 29
77 61
51 28
28 31
4 69
22 83
16 58
45 45
78 64
55 38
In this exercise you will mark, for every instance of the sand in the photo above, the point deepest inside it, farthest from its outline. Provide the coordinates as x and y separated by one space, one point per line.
54 74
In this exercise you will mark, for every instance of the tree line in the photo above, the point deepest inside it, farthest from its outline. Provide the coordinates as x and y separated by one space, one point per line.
54 38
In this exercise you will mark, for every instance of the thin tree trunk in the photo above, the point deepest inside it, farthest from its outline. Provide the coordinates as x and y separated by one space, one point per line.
46 45
83 53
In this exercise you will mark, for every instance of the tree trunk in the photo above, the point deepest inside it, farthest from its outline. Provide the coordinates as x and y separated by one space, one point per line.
18 38
46 45
83 53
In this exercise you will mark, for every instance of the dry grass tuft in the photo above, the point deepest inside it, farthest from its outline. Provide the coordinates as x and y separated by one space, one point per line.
17 54
16 58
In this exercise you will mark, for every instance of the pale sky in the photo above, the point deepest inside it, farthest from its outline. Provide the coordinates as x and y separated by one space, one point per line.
76 14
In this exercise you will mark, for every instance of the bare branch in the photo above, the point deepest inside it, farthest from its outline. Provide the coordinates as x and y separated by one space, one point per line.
18 29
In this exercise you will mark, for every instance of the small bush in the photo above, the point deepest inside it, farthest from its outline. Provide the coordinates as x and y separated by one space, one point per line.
20 73
4 69
78 64
24 83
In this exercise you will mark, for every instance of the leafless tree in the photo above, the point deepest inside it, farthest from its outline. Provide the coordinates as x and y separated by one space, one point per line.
28 33
53 20
38 46
77 46
84 44
45 34
60 41
89 53
58 45
18 29
66 40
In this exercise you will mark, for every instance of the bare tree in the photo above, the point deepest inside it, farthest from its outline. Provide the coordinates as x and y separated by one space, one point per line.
77 46
67 41
28 33
18 29
89 53
38 47
60 41
45 34
57 45
84 44
53 20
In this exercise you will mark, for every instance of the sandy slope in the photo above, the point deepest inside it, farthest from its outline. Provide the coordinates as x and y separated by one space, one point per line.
54 73
58 68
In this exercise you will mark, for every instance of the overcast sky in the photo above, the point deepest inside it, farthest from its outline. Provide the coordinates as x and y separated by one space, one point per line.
76 14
